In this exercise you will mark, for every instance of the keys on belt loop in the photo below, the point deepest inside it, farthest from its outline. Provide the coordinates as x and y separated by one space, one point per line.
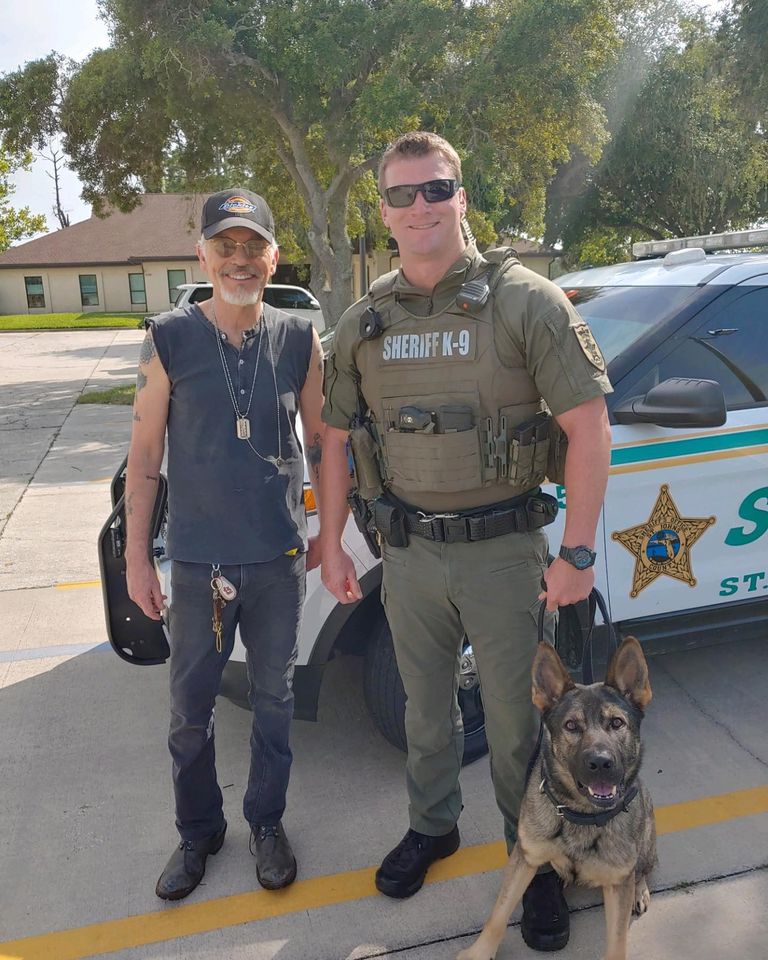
222 592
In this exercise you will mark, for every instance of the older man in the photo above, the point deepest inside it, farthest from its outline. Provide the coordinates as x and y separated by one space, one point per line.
226 379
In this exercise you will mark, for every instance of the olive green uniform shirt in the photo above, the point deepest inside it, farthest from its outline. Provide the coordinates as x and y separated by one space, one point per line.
535 325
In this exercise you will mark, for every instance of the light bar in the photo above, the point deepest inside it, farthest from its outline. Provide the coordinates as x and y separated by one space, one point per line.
713 241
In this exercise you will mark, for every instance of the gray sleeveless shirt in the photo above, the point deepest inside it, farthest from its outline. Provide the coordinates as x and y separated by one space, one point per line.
226 504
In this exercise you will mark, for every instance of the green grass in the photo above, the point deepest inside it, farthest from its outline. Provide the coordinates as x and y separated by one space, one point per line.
70 321
117 395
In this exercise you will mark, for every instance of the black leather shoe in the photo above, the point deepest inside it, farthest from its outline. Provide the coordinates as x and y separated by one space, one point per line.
186 867
275 862
403 870
546 923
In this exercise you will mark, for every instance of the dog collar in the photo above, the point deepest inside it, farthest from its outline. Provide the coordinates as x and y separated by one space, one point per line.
588 819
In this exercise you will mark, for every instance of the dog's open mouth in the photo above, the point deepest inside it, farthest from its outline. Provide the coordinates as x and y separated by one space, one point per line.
600 793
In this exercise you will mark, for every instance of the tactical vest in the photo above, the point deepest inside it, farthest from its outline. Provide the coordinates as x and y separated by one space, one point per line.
455 427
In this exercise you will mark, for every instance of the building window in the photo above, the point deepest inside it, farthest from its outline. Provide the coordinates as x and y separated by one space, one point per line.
35 292
138 290
175 277
89 291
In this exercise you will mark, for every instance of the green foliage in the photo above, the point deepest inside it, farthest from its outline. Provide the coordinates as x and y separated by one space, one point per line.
15 224
297 98
686 157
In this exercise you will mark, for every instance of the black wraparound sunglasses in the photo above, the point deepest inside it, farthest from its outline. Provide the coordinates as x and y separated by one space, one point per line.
433 191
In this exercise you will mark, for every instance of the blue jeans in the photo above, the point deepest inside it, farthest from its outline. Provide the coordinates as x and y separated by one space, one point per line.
268 610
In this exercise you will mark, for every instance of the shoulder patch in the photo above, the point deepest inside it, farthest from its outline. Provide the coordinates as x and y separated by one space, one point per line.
589 346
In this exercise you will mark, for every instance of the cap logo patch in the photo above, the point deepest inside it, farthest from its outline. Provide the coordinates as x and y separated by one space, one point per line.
237 205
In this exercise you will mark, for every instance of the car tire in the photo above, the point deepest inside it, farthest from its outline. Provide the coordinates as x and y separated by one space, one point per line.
385 696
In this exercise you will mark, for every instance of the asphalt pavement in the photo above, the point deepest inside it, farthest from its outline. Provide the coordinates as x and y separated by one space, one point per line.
87 815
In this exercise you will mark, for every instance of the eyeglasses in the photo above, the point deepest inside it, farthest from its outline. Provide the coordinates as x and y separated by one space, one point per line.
226 247
433 191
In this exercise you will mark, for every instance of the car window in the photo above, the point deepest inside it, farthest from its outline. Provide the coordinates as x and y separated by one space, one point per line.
289 299
619 316
199 294
730 346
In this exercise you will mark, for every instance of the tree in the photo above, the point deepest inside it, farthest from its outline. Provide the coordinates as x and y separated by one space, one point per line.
15 224
299 97
686 156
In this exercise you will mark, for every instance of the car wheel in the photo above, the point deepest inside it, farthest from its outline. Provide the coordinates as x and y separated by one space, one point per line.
385 696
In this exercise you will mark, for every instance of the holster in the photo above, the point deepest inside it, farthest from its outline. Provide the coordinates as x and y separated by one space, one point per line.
363 517
363 447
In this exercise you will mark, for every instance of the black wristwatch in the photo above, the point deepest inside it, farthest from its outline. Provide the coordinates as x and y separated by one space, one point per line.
580 557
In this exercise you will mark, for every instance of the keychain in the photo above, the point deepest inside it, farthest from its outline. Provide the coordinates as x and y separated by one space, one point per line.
223 591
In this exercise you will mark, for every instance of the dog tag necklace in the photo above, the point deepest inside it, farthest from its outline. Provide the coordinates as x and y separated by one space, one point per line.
242 423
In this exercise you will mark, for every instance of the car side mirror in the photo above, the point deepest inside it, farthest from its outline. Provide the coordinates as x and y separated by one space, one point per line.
677 402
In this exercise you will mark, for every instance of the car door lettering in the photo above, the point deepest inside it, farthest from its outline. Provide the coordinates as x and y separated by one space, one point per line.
752 512
746 583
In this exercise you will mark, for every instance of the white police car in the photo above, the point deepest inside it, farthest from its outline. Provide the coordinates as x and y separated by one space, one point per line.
682 537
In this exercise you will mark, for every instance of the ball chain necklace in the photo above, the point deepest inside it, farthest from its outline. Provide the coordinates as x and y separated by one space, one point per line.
242 423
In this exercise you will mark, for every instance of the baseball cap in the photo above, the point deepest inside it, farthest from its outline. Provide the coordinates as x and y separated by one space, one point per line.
237 208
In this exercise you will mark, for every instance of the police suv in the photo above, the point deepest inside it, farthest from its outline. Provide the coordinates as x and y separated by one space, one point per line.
681 543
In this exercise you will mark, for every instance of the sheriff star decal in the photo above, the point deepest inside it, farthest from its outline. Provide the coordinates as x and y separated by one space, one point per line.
662 545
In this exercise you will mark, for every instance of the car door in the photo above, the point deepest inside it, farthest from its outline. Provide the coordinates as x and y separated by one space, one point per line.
686 511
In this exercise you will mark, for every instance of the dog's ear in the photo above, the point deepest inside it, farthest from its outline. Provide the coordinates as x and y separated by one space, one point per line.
628 673
550 678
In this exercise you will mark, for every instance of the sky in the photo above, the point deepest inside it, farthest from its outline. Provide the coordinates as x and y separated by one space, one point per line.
31 30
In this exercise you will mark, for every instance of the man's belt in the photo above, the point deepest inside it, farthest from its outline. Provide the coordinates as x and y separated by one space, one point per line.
529 513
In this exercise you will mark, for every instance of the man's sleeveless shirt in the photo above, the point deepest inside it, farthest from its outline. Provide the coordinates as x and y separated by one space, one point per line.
226 505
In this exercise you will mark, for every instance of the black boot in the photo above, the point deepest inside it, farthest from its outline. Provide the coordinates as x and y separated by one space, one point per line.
275 862
546 924
403 870
186 867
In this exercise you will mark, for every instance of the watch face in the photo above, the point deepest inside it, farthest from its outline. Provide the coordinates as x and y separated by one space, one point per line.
582 558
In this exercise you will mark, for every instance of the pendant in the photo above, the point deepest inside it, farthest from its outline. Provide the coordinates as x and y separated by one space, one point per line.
243 426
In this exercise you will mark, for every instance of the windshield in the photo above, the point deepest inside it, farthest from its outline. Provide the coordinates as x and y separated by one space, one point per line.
619 316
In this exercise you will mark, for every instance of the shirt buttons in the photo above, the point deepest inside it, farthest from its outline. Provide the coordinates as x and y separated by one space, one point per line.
242 391
241 362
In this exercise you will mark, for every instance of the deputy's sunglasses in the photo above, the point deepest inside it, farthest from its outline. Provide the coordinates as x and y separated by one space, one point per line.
226 247
433 191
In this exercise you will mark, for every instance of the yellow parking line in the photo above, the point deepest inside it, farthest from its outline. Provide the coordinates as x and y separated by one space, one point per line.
189 919
78 585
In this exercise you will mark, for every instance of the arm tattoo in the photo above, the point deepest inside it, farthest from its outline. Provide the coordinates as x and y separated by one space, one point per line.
147 349
153 479
315 451
141 381
129 505
137 418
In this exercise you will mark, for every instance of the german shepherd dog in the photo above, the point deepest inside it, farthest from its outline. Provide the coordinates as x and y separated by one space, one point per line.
584 809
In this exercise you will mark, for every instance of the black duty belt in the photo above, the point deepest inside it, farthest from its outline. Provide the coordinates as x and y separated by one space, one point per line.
530 513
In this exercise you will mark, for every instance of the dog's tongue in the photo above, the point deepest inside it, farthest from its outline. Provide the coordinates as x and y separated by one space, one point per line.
602 789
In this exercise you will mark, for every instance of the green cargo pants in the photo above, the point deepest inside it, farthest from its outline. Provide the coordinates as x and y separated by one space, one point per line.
433 594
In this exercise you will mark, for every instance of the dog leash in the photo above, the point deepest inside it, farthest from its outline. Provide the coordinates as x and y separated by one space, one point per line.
595 601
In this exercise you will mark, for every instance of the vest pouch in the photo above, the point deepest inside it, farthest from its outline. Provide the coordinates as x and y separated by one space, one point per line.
434 462
366 463
558 448
528 451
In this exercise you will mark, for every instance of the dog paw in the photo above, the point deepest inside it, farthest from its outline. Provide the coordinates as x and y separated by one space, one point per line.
642 898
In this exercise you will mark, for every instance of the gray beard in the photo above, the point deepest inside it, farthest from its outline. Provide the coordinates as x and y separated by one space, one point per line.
240 298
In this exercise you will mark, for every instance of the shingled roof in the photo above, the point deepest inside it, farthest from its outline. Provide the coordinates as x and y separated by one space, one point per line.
165 226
